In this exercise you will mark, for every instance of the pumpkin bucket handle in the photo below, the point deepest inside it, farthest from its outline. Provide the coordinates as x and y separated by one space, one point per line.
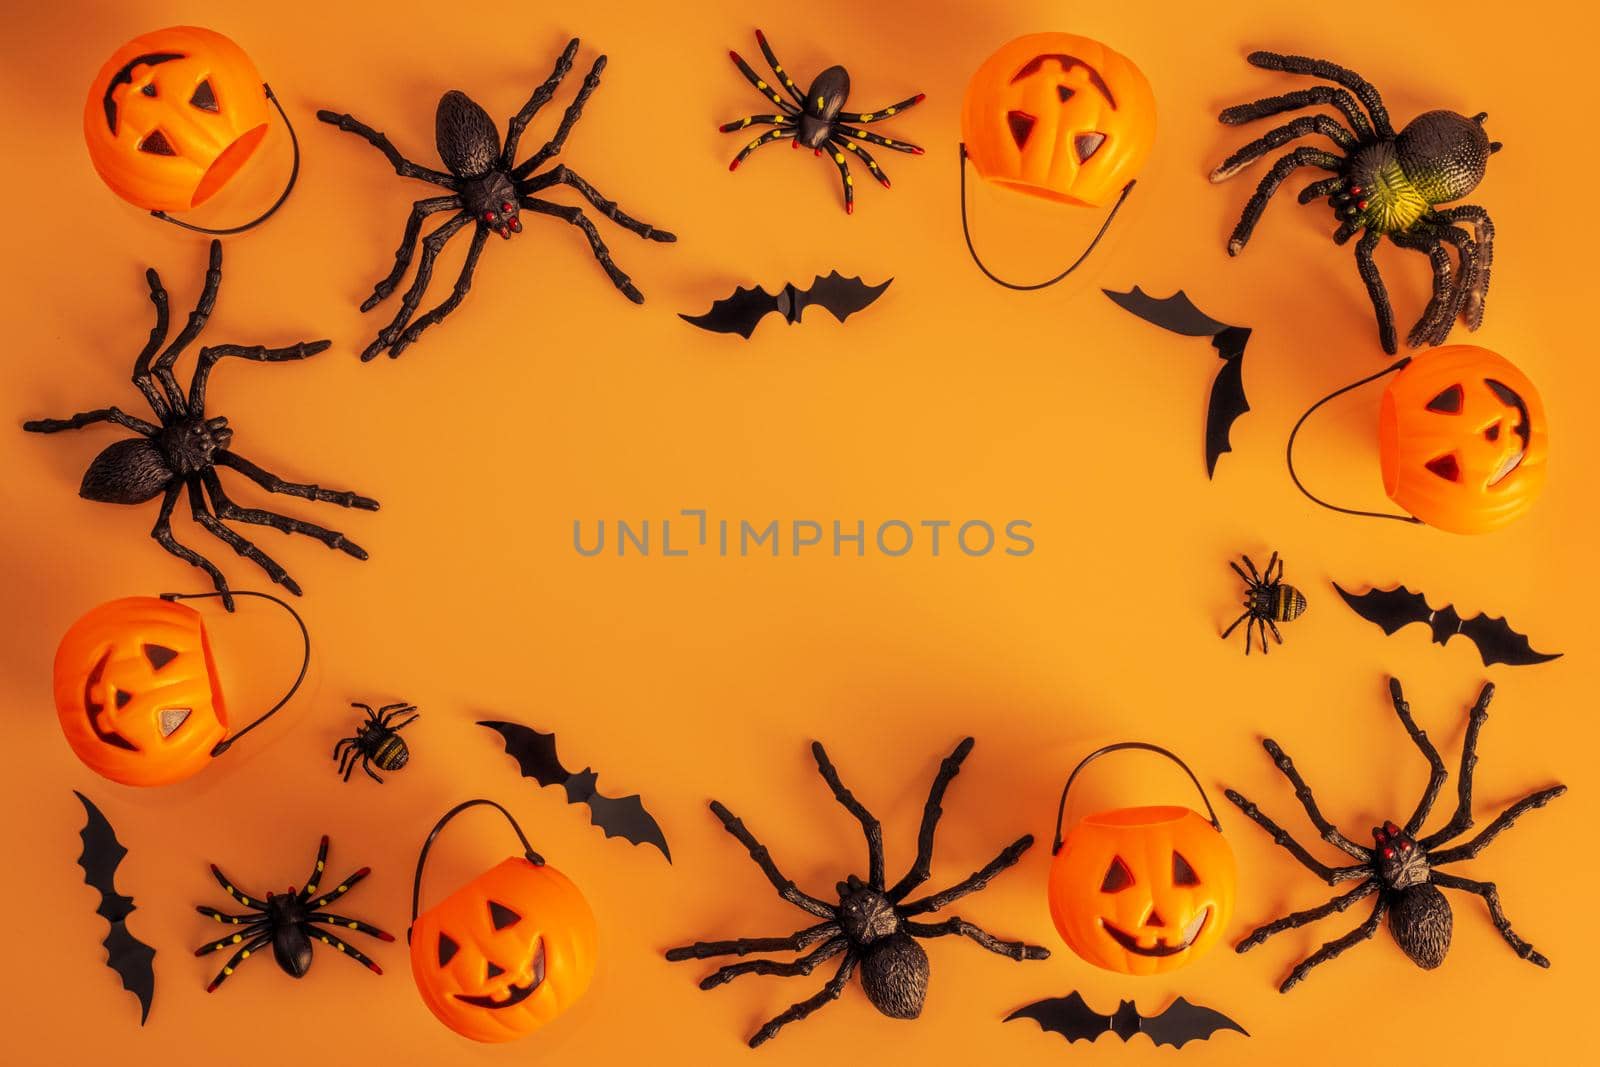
1061 808
1399 364
305 657
422 857
966 232
294 176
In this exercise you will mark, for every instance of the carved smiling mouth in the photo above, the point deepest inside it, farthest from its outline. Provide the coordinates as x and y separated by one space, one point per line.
1131 943
515 994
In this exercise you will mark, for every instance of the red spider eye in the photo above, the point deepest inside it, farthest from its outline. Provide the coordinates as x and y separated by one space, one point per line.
1405 846
1388 853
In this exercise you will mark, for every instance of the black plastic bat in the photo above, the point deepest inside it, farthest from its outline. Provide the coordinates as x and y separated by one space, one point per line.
1177 314
1394 608
132 959
624 817
744 310
1074 1020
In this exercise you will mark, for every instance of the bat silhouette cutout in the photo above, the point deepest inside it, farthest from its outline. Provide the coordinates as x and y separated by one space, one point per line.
132 959
744 310
1177 314
1497 642
623 817
1074 1020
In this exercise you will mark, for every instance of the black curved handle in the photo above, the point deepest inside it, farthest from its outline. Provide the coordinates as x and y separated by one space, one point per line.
1145 746
427 844
294 176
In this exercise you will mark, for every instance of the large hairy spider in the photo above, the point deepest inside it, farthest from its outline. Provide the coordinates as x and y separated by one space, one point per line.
1267 602
871 926
1384 183
1402 869
488 188
184 450
818 123
288 921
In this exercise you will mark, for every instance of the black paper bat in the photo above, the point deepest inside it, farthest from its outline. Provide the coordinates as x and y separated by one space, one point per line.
132 959
1074 1020
1394 608
1177 314
624 817
741 312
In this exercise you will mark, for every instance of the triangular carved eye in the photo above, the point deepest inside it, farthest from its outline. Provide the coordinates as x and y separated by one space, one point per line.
502 916
122 699
1446 467
493 972
1087 144
159 656
170 719
1065 94
447 949
157 145
149 90
204 98
1118 877
1182 873
1021 125
1447 402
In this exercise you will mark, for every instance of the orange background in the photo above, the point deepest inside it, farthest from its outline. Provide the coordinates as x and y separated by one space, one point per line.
548 398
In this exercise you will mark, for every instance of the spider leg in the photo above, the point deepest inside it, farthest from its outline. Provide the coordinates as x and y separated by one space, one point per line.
1304 918
348 764
162 368
1017 950
1279 561
87 418
576 217
870 827
1461 820
1321 68
1346 230
348 741
1254 574
158 333
569 118
210 355
796 1012
227 509
451 302
777 134
384 712
401 726
564 175
431 246
345 948
973 882
1334 948
777 68
865 157
1330 833
227 919
1434 317
318 903
402 166
1501 823
844 177
804 965
274 484
763 859
883 112
1436 772
1375 289
761 85
1323 187
237 958
351 924
366 765
931 811
1285 166
1483 234
254 903
1276 635
877 139
1318 94
755 120
541 96
317 867
745 945
1491 896
1261 628
1280 136
1280 837
1235 625
251 930
408 246
162 532
1467 280
241 545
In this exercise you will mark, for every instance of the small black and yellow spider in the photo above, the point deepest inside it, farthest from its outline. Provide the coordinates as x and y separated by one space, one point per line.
1267 602
376 741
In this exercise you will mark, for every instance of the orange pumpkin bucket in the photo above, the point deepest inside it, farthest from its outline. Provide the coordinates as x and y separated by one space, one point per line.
1141 890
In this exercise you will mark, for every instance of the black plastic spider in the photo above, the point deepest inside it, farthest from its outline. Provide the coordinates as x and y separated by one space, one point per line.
184 450
376 741
1267 602
288 921
1384 183
487 187
1402 869
870 925
818 122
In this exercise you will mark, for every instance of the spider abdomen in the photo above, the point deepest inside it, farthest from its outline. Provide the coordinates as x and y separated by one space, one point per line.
466 137
1420 920
894 974
390 754
1444 154
824 100
130 471
292 949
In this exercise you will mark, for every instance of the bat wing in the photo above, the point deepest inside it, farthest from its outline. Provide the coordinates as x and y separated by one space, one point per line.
840 296
1390 609
534 752
1227 394
1068 1016
1175 313
623 817
132 959
739 313
1498 643
1183 1022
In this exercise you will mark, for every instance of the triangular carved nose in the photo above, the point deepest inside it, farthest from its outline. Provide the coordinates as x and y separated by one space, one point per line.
1155 919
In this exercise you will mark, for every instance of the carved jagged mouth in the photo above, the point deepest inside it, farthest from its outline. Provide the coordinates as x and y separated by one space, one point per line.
515 994
1131 943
